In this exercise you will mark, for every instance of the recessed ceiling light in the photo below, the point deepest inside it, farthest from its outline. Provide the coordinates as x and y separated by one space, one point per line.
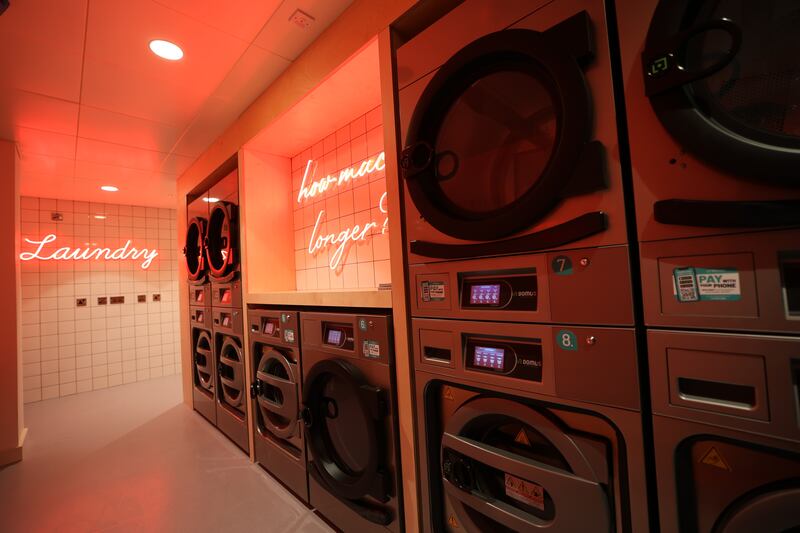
109 188
166 50
211 200
100 217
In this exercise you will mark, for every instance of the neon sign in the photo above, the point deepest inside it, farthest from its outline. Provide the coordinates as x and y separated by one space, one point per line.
84 254
345 238
320 186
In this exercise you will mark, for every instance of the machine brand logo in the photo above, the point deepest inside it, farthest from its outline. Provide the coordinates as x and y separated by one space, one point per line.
66 253
526 294
330 181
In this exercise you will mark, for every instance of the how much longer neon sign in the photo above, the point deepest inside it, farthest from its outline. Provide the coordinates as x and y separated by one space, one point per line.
317 187
66 253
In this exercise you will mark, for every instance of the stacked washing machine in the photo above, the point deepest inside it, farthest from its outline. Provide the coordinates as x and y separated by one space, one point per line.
215 299
524 348
350 417
713 106
277 393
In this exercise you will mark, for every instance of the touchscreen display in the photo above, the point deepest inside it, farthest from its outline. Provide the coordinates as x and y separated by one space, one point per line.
485 294
225 296
226 320
269 328
334 337
487 357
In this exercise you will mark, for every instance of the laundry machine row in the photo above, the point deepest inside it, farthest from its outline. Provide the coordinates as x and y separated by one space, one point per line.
712 99
215 302
325 422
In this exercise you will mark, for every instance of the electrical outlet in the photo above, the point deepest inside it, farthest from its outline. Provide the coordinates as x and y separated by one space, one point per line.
156 297
117 299
80 302
142 298
102 300
302 19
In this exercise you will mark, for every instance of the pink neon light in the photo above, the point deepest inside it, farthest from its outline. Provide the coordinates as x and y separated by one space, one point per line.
320 186
345 238
84 254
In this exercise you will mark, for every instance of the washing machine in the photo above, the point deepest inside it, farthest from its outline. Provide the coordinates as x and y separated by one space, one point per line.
525 427
194 251
508 125
350 414
232 389
222 234
726 430
204 368
276 391
712 92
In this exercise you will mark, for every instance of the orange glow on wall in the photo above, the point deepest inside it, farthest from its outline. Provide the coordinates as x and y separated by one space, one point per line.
65 253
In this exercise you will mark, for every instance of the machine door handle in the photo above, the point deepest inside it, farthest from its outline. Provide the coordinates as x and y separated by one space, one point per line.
727 214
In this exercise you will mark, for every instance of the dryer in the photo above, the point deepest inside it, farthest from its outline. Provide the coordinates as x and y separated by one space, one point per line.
727 438
520 429
232 390
222 236
204 368
713 107
509 135
349 409
277 393
194 251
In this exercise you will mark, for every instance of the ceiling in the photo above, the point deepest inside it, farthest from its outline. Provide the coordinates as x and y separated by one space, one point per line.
90 105
351 90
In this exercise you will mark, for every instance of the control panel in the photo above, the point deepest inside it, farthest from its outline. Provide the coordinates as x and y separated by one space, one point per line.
516 358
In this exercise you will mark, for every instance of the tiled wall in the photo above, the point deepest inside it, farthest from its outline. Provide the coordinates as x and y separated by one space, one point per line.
366 263
69 349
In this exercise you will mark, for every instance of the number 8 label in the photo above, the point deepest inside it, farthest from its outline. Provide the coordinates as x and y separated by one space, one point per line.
567 340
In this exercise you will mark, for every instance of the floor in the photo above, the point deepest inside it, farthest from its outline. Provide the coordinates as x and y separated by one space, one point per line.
134 458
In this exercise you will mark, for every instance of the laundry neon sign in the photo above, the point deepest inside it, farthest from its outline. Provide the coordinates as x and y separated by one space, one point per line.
309 188
345 238
66 253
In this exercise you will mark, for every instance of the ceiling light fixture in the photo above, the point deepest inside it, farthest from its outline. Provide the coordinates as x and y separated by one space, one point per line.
211 200
109 188
100 217
166 50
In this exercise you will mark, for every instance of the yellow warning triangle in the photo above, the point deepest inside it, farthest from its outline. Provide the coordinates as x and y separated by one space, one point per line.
522 438
448 394
451 521
713 458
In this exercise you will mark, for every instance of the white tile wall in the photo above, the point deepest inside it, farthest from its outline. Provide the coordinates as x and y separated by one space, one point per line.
69 349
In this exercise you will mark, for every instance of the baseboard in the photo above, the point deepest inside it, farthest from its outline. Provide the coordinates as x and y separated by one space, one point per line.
13 455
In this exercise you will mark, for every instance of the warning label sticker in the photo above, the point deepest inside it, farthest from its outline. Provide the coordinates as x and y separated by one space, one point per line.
371 349
434 291
713 458
526 492
692 284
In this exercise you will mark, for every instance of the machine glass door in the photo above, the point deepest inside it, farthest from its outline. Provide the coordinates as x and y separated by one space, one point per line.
203 362
508 467
276 386
723 76
194 250
344 417
496 137
231 374
221 240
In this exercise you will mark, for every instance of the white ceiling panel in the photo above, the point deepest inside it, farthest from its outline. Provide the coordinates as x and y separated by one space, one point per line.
45 59
31 110
38 142
117 155
45 165
251 75
99 124
287 39
240 18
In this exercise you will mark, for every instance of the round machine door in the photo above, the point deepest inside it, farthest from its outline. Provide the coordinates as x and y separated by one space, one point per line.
344 417
723 76
231 373
508 467
502 133
194 250
204 367
775 510
221 241
276 386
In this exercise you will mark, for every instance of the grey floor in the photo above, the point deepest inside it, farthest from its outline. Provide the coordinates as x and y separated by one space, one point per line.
134 458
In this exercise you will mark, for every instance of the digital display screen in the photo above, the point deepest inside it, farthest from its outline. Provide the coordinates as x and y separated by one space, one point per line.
269 328
335 337
485 294
487 357
198 296
226 320
225 296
